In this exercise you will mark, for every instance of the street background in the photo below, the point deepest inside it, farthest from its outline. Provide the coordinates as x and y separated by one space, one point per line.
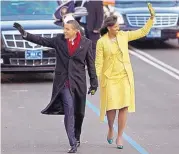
153 129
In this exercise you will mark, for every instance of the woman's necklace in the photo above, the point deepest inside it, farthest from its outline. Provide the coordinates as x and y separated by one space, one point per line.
113 39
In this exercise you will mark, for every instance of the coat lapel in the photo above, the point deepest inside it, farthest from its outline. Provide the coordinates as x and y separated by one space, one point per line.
65 46
107 42
66 50
80 47
119 41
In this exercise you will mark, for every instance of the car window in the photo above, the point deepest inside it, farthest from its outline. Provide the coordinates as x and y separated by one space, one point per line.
133 4
27 8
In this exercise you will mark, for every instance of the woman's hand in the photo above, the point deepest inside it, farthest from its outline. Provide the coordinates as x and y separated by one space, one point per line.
151 10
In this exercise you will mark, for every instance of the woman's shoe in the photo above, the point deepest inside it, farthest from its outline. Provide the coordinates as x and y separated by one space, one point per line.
110 141
120 146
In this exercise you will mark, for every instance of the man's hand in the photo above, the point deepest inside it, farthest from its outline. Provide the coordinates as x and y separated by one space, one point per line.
92 90
152 12
19 28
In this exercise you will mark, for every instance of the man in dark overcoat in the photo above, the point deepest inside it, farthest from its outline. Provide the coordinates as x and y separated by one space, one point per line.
73 51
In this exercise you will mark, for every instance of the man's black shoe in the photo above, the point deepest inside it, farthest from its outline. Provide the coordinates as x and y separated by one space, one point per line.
73 149
78 143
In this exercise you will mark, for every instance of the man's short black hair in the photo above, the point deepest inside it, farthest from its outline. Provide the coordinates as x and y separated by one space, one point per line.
75 24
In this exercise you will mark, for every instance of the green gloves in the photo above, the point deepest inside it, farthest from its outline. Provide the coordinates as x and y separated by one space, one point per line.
151 10
92 90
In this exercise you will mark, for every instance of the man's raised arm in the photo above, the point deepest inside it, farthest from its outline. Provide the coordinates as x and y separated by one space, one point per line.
48 42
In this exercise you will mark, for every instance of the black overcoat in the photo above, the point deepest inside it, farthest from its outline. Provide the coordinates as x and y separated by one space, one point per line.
95 15
71 68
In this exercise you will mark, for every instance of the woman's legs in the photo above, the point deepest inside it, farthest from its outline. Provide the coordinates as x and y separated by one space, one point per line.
122 118
111 114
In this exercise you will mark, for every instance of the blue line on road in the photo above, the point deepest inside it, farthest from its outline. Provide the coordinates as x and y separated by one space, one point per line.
140 149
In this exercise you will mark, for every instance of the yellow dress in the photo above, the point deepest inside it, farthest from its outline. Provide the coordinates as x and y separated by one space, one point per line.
116 80
118 83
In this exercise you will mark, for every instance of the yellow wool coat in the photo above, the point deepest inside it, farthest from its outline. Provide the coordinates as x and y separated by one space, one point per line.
104 63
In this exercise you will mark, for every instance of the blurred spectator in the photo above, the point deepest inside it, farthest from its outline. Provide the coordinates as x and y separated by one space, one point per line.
94 21
108 2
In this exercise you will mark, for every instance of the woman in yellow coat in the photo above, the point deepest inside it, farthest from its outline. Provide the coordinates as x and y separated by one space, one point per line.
115 73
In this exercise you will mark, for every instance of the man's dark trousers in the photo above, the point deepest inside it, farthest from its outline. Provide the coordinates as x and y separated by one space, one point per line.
73 122
69 119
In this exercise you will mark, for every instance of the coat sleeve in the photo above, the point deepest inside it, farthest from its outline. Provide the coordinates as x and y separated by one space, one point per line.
47 42
91 67
137 34
99 58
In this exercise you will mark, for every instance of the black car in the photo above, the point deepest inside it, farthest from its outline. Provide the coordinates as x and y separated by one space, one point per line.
18 55
134 14
36 17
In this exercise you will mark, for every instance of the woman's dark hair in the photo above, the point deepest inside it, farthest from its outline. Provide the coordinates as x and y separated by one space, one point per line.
109 21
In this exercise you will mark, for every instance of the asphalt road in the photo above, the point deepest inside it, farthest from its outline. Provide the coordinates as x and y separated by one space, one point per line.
152 129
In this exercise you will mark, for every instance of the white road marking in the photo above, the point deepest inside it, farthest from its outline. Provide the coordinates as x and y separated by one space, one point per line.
154 64
20 90
21 107
155 60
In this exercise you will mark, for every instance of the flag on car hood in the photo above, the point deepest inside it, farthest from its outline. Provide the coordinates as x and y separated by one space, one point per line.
64 8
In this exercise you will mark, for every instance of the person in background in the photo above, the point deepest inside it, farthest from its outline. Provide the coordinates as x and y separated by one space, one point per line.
68 7
115 73
69 85
109 2
94 21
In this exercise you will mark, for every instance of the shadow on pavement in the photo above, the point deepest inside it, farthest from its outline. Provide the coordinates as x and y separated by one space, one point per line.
26 78
155 44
